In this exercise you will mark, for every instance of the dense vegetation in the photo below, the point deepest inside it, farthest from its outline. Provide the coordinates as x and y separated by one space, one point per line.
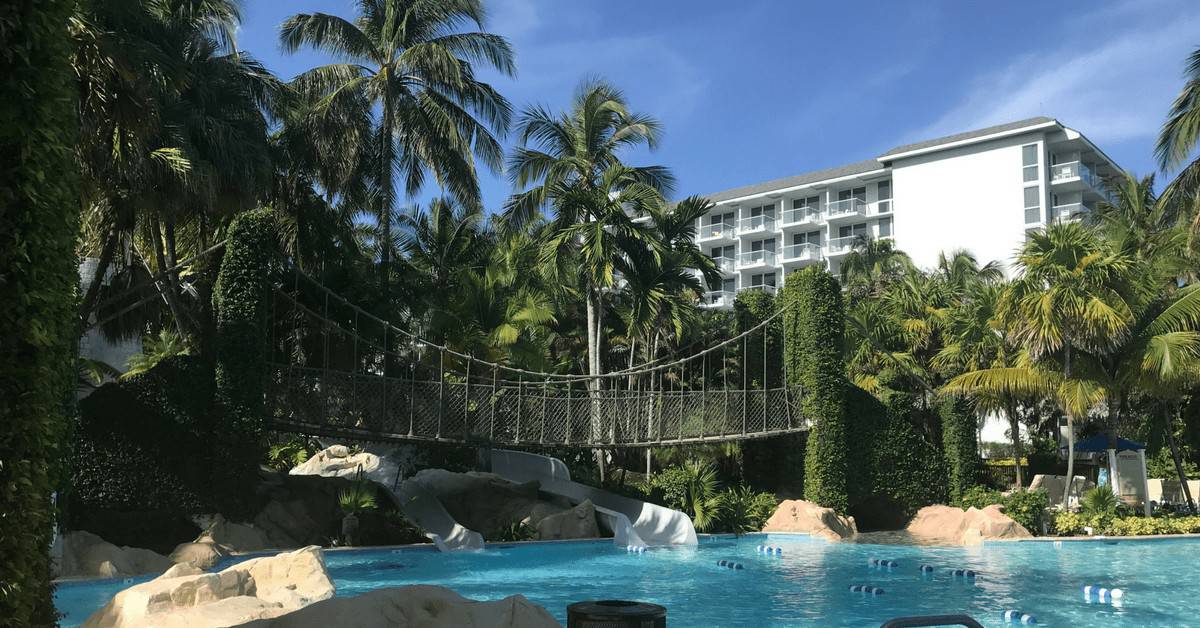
39 204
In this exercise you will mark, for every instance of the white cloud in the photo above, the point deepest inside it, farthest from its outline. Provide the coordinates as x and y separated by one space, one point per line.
1113 88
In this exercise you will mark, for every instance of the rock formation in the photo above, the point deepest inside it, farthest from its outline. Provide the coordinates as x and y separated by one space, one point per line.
577 523
185 597
86 555
955 526
795 515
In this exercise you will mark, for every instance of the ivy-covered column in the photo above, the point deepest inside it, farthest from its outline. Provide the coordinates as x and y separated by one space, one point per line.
813 350
241 300
960 444
39 276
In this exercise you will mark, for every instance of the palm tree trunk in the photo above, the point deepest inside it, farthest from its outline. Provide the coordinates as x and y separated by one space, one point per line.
1014 426
387 191
165 285
1169 427
1070 434
593 325
93 290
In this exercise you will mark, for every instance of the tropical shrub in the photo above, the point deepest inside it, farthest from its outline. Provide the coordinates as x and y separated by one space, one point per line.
745 510
906 467
1071 524
359 497
516 531
39 211
691 488
1098 501
1028 508
155 349
286 455
813 327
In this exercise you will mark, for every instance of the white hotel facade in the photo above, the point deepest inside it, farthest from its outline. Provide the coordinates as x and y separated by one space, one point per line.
982 191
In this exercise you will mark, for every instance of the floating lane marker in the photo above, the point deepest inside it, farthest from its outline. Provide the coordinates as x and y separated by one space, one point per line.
635 549
880 563
1017 617
867 589
1116 597
769 549
729 564
928 569
963 573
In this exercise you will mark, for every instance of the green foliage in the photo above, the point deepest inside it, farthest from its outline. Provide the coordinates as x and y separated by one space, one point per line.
39 207
813 356
155 349
359 497
691 488
960 445
1028 508
1160 464
291 453
906 467
869 417
745 510
1098 501
241 299
1072 524
514 532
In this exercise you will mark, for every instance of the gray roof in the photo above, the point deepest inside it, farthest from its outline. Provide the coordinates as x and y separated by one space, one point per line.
958 137
797 180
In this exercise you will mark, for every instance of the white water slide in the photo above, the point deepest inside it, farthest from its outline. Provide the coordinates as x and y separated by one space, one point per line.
633 522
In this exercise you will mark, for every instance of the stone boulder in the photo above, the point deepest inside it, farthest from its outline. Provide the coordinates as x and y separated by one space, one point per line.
954 526
484 502
337 462
422 606
234 537
86 555
796 515
198 555
576 523
185 597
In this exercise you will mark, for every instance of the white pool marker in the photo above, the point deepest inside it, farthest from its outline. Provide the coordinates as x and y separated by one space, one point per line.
1104 595
1018 617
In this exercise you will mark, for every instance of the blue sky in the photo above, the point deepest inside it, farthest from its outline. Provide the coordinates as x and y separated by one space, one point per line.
759 89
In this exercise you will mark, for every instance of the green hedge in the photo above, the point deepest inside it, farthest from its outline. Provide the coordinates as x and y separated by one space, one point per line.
906 467
813 326
1072 524
241 299
960 444
39 211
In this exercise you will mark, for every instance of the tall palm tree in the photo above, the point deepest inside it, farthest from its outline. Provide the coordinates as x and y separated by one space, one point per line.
571 163
873 265
1177 140
413 62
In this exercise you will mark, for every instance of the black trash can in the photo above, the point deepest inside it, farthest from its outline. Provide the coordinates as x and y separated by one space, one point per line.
616 614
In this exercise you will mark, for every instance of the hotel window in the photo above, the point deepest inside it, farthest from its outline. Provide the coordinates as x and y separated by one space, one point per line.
1033 204
1029 162
725 285
885 196
852 231
763 245
806 202
812 237
885 227
722 219
765 279
859 193
763 210
722 251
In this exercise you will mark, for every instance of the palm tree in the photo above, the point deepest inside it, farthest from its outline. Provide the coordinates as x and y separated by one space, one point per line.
573 163
1176 141
411 60
1069 297
873 265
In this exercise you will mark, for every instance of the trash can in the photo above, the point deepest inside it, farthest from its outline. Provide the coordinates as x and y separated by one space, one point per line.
616 614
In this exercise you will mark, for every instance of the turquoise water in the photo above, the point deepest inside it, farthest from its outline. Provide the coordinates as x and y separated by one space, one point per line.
808 585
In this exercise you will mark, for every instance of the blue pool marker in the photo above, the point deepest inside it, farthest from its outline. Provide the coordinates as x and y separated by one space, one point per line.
635 549
963 573
1017 617
1103 595
927 569
882 564
863 588
769 549
729 564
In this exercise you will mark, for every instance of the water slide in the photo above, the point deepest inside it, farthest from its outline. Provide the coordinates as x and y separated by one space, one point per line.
632 521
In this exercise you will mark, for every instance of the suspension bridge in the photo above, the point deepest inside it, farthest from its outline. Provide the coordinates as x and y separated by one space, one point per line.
339 371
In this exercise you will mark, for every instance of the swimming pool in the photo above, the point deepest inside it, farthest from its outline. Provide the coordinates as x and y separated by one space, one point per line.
808 585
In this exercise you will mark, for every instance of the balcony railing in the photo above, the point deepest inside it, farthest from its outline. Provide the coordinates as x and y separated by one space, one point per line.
1074 170
725 264
767 288
801 215
840 246
756 223
1069 212
801 252
717 230
844 208
756 258
717 298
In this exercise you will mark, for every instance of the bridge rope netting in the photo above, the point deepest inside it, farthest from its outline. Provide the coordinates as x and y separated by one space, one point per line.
340 371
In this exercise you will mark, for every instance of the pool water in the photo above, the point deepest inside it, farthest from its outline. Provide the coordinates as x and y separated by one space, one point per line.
808 585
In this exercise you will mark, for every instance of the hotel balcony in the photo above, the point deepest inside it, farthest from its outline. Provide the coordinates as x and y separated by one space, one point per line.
769 289
801 217
1075 176
717 299
756 259
1070 212
719 232
756 224
846 209
801 254
837 247
881 208
725 264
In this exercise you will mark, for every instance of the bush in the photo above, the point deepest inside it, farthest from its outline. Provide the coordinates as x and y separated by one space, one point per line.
813 328
960 444
39 223
745 510
906 467
1028 508
691 488
1072 524
1098 501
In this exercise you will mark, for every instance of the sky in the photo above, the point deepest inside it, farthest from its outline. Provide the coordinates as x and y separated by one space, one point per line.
757 89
